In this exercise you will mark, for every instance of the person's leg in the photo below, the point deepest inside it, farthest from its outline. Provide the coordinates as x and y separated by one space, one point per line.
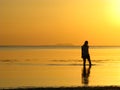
84 61
89 60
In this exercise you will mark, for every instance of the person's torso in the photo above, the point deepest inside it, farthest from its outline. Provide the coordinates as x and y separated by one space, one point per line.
85 50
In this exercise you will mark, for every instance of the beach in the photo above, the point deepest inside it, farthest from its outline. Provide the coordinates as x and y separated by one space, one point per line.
59 67
41 43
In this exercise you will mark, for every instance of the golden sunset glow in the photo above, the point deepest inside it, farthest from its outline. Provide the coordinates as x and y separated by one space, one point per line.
51 22
114 12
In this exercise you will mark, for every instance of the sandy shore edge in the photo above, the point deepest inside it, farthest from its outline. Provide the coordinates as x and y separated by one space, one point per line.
66 88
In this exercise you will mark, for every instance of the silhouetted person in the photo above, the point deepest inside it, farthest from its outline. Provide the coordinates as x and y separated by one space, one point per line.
85 53
85 75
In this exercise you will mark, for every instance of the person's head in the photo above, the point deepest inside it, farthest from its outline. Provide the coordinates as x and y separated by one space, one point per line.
86 43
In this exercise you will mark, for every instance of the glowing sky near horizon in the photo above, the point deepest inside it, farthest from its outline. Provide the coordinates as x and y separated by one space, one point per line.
47 22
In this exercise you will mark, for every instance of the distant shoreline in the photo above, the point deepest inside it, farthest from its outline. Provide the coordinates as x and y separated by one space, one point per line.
67 88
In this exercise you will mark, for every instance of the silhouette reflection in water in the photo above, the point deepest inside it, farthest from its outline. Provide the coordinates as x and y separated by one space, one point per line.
85 75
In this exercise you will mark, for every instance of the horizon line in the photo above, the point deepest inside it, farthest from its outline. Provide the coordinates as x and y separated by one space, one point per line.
58 45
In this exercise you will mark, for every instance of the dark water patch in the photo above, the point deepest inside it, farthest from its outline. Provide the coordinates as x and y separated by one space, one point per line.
8 61
39 64
15 61
79 61
65 64
101 61
69 64
28 60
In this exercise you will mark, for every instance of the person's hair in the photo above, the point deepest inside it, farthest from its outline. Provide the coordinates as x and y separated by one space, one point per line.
86 43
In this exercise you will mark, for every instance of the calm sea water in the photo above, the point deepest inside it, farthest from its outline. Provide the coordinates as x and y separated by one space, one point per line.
58 66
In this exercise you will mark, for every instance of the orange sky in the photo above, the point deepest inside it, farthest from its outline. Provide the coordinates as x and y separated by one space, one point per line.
47 22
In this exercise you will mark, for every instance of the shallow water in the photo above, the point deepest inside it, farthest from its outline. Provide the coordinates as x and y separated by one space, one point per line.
58 66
